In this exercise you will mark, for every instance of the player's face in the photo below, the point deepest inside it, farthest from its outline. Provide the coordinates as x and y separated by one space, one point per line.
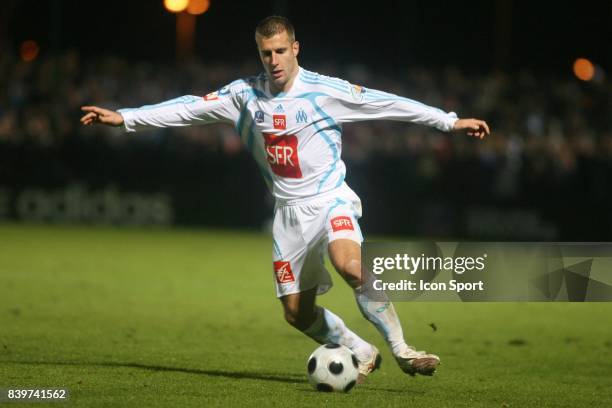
279 58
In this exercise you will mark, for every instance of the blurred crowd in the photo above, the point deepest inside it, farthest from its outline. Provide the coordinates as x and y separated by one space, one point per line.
541 125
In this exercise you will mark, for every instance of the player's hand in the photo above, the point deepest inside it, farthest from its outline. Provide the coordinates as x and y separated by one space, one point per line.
99 115
473 127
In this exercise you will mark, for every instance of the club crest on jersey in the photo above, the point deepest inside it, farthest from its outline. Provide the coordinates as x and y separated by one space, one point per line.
279 122
282 154
282 270
342 223
213 96
301 117
259 116
279 109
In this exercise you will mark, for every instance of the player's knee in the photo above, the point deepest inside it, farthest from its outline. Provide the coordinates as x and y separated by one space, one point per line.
350 270
346 258
291 318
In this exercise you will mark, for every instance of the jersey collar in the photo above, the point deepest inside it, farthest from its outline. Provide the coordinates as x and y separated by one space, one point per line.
297 84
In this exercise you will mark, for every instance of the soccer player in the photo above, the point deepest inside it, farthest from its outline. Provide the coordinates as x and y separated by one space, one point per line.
290 120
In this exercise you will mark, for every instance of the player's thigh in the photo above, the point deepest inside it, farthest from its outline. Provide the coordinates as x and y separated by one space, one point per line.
345 255
345 238
299 244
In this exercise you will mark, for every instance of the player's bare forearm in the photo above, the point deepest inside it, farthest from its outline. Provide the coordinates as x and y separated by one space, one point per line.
472 127
96 114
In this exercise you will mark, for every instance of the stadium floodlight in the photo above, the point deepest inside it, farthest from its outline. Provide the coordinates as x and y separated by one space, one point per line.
176 6
584 69
29 50
197 7
186 12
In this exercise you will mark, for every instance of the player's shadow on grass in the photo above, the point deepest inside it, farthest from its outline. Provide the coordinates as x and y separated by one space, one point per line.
373 388
277 377
284 377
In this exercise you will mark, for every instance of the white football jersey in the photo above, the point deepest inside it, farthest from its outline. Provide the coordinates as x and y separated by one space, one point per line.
295 136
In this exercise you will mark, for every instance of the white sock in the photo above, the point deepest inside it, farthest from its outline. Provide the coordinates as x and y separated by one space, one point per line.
329 328
382 315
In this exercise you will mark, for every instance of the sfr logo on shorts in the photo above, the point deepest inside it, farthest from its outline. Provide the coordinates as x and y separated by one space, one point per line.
282 269
342 223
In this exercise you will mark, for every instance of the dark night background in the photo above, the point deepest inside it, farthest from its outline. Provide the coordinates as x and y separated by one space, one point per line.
544 174
387 35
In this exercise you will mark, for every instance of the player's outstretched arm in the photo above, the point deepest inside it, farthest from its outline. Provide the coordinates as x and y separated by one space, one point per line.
472 127
99 115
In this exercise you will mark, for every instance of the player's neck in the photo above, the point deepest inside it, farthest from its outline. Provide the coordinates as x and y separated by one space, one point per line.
287 86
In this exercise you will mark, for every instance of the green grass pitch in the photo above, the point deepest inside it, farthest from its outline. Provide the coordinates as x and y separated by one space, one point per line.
129 317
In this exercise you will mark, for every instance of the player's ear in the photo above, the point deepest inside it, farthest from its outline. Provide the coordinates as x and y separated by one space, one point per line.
296 48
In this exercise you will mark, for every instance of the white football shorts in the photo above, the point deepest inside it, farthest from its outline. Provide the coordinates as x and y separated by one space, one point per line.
301 232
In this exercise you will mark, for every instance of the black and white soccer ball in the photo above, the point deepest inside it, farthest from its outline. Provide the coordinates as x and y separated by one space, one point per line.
333 367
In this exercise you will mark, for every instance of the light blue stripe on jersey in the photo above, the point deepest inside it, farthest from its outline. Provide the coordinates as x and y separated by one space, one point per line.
264 169
336 81
252 92
341 180
186 100
314 82
334 126
241 120
321 81
315 79
245 130
244 114
374 95
250 83
277 249
248 88
358 227
336 204
311 96
335 155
